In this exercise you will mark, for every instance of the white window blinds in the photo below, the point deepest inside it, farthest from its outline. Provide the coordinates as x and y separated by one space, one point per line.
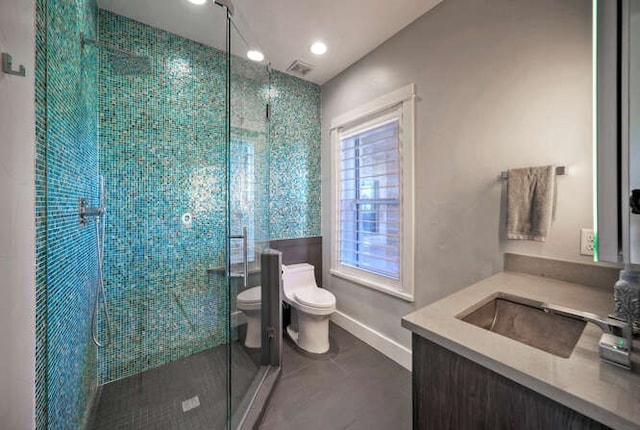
370 190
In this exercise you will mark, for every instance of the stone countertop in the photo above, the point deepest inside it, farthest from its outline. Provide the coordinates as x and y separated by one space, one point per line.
582 382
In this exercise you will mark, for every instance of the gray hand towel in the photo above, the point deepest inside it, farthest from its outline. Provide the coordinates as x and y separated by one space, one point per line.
530 202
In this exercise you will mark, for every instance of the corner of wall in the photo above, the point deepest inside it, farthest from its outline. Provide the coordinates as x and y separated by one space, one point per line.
17 232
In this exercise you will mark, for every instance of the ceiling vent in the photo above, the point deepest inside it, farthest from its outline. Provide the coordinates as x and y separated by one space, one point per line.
299 68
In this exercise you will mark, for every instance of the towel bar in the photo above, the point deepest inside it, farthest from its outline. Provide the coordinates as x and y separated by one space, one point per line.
560 171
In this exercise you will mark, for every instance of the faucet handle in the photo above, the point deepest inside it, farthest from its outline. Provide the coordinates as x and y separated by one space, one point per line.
620 327
615 350
615 347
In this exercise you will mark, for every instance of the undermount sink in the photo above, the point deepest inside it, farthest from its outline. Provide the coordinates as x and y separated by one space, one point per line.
528 322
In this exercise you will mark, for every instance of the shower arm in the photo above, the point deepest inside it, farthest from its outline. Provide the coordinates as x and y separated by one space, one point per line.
86 40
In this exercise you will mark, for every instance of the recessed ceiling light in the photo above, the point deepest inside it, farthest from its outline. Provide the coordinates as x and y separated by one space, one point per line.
254 55
198 1
318 48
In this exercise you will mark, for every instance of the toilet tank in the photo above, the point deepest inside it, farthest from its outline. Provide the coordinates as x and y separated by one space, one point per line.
296 276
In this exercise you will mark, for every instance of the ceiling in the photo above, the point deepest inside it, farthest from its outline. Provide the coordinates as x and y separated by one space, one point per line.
284 29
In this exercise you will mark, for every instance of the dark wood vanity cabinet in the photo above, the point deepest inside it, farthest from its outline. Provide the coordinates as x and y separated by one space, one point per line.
453 392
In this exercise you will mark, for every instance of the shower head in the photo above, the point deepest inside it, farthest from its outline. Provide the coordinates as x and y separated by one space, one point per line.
123 62
131 65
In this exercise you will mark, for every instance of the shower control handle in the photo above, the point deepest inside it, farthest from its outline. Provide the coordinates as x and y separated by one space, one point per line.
87 212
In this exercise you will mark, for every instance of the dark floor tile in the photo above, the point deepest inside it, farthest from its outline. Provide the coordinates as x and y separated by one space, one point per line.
381 423
364 365
344 340
351 386
293 360
299 390
153 399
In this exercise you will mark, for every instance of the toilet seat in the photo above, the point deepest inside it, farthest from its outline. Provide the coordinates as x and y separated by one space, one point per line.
250 299
315 298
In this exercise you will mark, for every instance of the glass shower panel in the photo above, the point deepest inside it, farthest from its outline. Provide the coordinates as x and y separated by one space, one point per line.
162 135
249 218
176 131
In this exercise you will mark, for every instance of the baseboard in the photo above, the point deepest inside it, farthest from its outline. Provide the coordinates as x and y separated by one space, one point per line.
389 347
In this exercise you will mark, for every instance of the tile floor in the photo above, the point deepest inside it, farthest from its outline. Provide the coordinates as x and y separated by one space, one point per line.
352 386
153 400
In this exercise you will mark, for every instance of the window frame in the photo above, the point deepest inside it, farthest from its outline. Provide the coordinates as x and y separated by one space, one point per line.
400 103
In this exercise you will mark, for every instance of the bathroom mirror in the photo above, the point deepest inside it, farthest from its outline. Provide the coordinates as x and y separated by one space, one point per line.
617 106
633 25
607 194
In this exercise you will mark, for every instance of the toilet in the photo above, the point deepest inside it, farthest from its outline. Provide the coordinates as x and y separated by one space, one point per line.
248 301
311 308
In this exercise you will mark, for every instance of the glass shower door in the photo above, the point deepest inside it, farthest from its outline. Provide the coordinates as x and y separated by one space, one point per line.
177 129
162 136
248 166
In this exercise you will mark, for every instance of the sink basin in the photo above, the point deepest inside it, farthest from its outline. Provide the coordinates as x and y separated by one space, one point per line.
524 320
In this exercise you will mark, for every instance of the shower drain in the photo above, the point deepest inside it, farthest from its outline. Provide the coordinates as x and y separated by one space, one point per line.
191 403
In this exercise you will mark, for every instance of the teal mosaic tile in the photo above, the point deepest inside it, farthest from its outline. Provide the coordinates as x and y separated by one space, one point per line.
249 153
294 207
162 138
67 151
41 214
162 152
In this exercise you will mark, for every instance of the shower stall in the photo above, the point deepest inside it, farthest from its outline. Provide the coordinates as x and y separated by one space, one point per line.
153 214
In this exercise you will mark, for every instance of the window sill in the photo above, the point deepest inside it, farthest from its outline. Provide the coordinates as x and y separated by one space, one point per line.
374 285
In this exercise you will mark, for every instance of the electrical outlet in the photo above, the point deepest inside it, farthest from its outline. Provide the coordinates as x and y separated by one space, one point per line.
586 241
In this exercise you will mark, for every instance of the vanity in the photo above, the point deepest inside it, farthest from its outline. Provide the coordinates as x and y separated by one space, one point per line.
495 355
468 377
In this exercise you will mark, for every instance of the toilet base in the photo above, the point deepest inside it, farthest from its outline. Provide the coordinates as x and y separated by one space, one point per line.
253 339
312 334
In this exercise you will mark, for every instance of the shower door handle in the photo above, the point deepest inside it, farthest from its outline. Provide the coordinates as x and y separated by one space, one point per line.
245 254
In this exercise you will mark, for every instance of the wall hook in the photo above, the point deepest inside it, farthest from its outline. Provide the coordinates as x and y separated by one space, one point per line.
7 66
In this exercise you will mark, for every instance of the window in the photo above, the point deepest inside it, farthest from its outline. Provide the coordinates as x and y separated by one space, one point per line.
373 198
370 200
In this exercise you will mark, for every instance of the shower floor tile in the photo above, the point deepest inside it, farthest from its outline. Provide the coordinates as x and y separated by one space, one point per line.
153 400
352 386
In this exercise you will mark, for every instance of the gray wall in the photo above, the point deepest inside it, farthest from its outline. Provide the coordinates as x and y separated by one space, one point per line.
500 84
17 234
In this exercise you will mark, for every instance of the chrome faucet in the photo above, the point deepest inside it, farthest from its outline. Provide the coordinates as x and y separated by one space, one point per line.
616 341
609 324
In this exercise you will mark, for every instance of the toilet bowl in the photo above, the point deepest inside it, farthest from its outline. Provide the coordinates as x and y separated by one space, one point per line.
249 302
311 308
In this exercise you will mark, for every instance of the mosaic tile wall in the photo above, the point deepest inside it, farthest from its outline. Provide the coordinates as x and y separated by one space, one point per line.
295 158
249 155
162 139
41 214
67 156
162 154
